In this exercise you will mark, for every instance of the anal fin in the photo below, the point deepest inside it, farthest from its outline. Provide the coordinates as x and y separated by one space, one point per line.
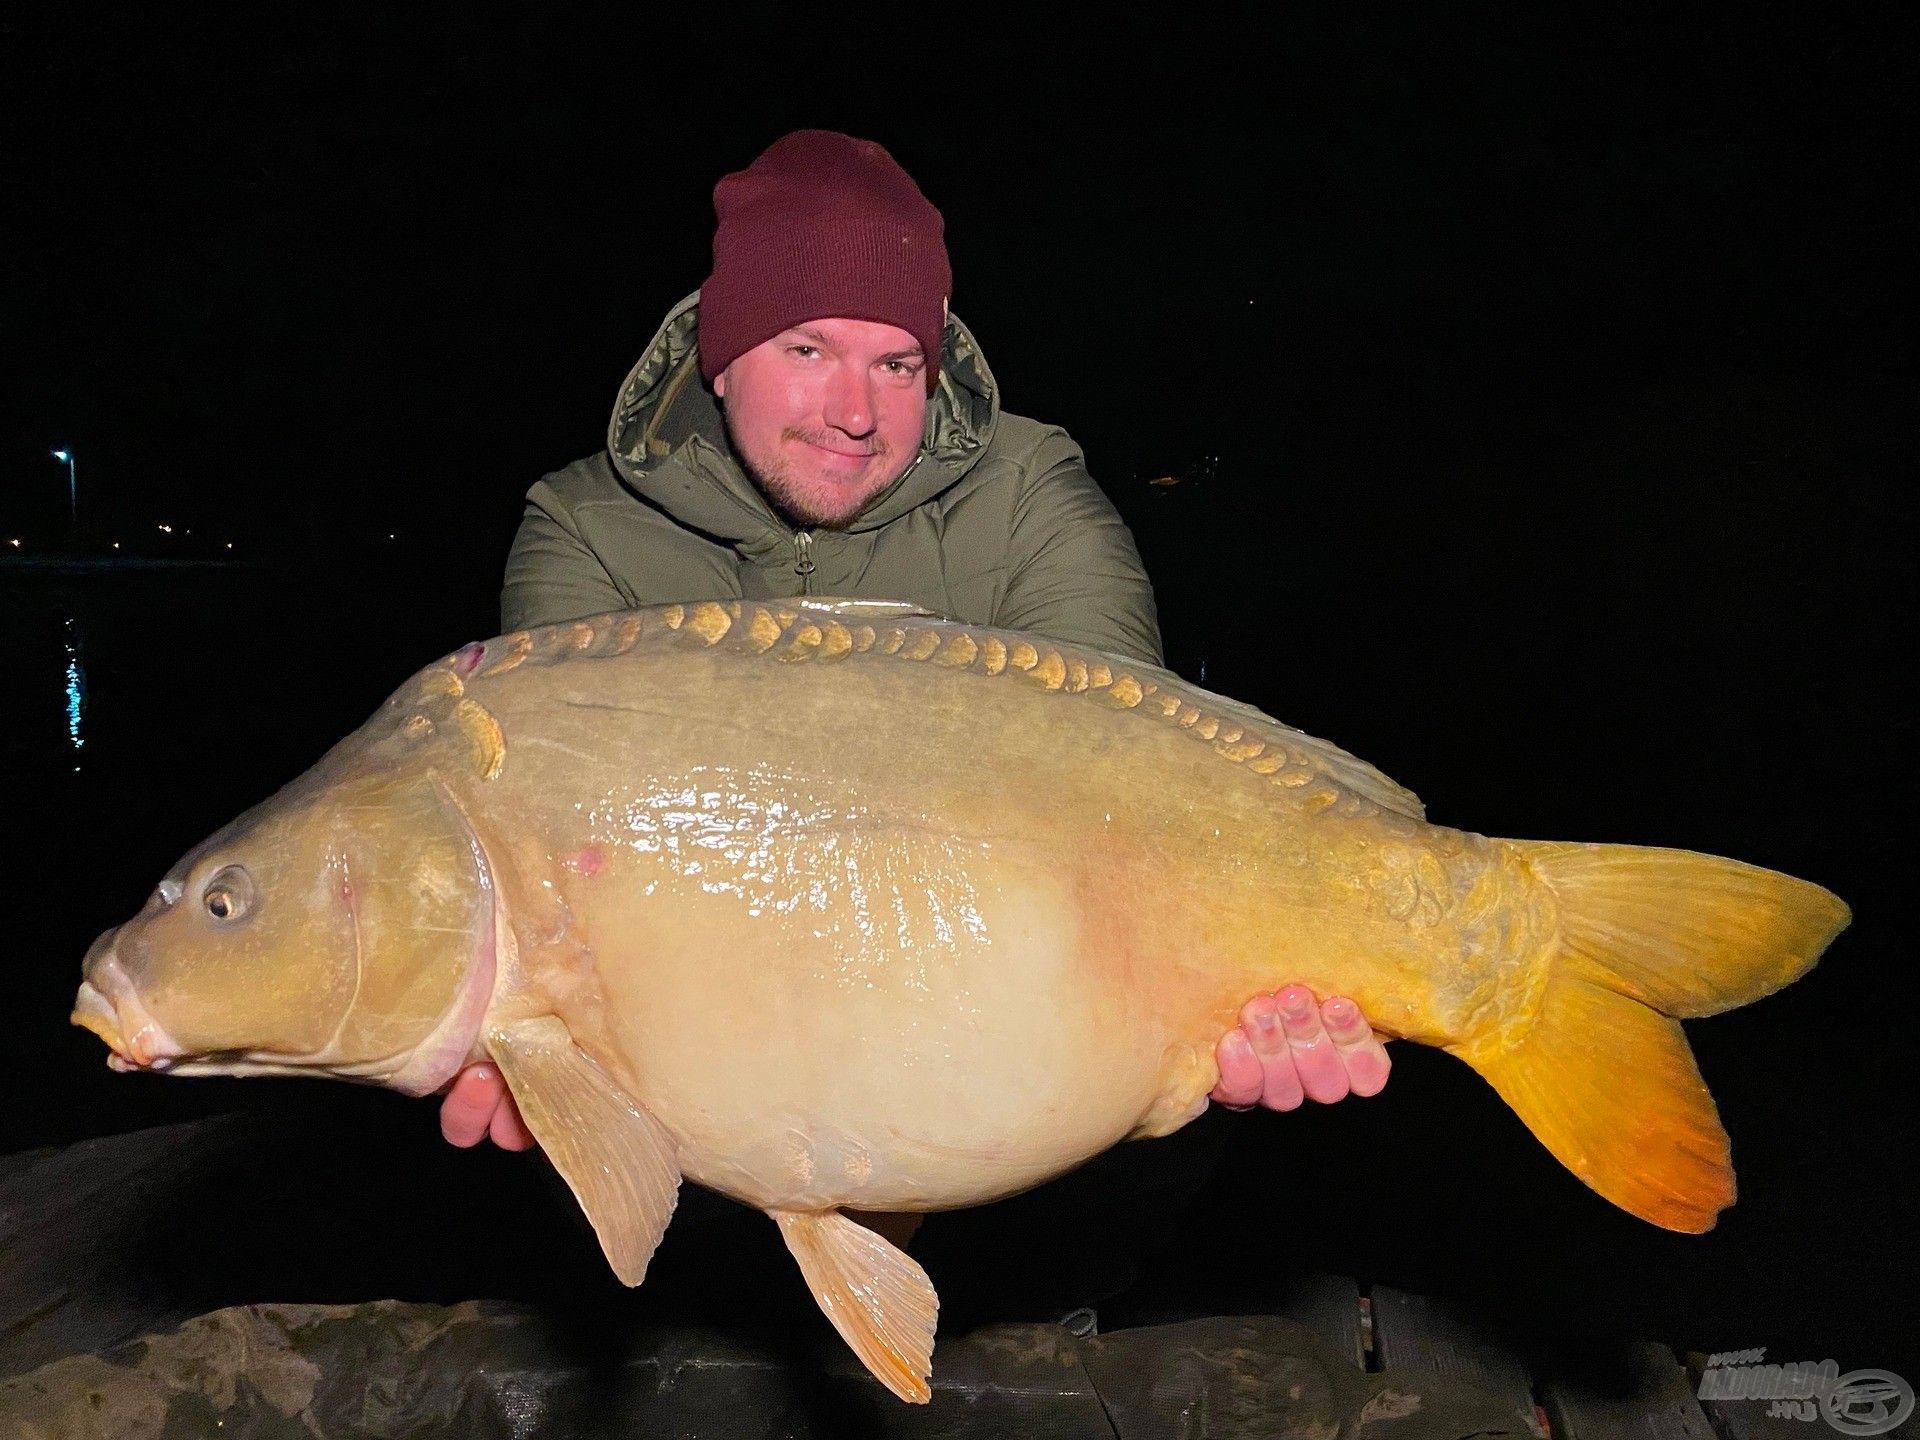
617 1159
876 1295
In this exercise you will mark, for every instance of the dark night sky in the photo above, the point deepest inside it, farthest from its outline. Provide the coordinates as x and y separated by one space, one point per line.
327 272
1560 372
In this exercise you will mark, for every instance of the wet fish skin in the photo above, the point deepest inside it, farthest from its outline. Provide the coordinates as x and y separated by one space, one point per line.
838 904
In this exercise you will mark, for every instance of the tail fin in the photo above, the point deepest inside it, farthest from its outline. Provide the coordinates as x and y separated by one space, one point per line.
1603 1075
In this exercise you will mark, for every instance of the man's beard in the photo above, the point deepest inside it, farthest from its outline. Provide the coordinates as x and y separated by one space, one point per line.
782 490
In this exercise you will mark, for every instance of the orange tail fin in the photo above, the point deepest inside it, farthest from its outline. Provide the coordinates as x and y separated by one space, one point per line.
1603 1075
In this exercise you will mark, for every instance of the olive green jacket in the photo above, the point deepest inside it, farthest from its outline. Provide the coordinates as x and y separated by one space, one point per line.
996 522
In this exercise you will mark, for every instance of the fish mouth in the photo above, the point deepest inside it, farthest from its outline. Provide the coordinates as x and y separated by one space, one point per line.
108 1006
113 1011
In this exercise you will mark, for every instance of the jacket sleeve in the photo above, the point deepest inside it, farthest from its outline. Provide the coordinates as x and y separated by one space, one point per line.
552 574
1076 575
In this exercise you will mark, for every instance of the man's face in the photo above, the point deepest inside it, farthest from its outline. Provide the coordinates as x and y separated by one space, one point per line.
827 415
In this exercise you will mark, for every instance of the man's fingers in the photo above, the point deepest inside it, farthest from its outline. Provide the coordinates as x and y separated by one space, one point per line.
1315 1057
1361 1052
1279 1080
1289 1048
1240 1074
508 1130
478 1106
467 1111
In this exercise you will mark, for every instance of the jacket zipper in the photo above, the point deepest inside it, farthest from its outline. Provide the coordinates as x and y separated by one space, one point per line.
803 559
803 546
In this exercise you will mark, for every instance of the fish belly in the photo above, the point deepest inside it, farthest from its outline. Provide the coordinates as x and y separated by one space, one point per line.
914 1021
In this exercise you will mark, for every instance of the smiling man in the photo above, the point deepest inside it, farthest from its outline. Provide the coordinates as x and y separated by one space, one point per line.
841 406
815 421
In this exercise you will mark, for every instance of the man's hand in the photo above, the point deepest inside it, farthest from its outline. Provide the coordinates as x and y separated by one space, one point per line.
1287 1049
478 1105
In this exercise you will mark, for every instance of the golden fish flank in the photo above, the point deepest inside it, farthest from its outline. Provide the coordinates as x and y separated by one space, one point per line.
991 900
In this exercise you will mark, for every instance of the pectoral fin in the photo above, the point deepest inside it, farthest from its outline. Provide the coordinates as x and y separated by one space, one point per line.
877 1297
618 1160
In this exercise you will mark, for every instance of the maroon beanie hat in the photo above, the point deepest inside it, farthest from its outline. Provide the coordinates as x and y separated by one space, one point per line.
820 226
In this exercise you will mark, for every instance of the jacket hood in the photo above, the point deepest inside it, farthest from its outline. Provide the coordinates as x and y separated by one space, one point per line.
668 441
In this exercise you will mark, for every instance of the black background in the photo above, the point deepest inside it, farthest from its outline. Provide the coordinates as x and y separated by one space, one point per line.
1542 388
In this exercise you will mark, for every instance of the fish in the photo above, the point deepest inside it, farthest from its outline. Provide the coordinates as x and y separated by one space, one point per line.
984 901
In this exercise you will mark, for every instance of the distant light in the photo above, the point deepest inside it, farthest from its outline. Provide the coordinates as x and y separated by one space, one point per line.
116 544
389 537
14 543
229 544
61 455
1165 480
167 528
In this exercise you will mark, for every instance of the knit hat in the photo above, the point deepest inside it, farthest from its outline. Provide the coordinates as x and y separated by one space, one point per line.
820 226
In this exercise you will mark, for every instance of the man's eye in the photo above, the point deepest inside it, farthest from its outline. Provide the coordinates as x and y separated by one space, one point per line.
797 349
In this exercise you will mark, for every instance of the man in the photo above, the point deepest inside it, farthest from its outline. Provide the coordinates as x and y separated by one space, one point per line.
814 421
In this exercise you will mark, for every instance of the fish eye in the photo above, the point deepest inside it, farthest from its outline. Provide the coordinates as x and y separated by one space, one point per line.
229 894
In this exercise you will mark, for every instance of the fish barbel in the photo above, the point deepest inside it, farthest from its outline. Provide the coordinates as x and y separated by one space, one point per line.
985 902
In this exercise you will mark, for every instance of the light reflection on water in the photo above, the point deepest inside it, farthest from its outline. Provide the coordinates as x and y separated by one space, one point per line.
76 688
131 683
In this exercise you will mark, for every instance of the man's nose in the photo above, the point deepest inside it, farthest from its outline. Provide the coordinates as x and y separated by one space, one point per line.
848 404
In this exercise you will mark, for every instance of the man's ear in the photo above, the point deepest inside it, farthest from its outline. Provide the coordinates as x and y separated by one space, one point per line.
720 385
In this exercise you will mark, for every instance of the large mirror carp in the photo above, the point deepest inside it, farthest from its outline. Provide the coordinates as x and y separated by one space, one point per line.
989 902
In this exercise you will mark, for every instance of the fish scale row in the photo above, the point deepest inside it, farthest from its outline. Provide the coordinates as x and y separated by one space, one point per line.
796 634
